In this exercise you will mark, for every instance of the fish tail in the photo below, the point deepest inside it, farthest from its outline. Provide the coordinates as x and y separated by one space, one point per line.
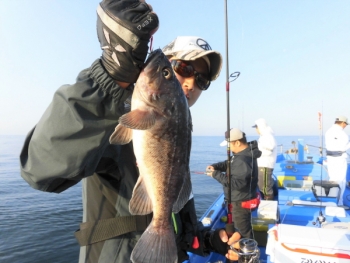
155 247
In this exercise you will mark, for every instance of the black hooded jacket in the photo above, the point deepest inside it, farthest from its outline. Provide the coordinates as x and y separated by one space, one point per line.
244 173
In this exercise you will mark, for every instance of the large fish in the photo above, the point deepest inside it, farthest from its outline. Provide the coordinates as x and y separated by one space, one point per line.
160 126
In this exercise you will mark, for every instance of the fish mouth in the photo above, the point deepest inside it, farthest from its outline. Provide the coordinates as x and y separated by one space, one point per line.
155 64
155 56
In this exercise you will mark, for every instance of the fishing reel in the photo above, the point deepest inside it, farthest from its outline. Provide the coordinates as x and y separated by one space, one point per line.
320 219
248 252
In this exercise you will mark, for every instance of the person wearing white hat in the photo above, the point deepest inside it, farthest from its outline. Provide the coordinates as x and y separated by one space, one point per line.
268 146
193 59
337 143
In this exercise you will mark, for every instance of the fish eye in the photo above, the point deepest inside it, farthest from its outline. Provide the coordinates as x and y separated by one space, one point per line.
167 73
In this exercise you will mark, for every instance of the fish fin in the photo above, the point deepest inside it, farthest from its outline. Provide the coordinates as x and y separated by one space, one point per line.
121 135
184 194
155 246
140 203
138 119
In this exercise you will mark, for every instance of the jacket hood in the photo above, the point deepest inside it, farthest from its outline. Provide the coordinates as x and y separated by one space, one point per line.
251 150
263 127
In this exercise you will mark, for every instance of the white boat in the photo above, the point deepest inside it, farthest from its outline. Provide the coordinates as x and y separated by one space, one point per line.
303 224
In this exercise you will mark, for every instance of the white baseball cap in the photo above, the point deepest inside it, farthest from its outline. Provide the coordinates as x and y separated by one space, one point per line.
342 118
191 48
235 134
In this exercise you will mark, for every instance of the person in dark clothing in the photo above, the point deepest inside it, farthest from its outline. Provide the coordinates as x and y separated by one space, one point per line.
70 143
244 180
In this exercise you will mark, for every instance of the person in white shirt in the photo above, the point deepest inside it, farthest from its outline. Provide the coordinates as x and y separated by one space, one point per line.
268 146
337 142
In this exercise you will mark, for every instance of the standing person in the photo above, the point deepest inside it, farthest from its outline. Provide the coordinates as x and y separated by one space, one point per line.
337 143
268 146
244 180
71 140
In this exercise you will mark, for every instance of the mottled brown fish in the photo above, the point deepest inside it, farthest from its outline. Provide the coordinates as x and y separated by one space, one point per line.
160 126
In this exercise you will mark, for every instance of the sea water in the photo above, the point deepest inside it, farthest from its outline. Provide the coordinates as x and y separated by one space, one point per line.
39 227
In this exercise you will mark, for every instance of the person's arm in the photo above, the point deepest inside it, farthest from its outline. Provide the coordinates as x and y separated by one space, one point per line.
217 171
70 138
347 146
345 140
220 177
266 145
220 166
72 135
240 172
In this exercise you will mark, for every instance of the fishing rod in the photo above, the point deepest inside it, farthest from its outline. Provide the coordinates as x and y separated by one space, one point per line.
321 131
321 219
246 253
198 172
229 226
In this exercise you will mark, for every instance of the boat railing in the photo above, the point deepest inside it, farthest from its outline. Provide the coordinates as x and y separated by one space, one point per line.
320 148
280 146
294 150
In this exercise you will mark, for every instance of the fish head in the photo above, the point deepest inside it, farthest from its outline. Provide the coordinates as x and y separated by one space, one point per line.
157 83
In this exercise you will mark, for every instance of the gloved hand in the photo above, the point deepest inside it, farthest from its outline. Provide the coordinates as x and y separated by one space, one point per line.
124 28
213 242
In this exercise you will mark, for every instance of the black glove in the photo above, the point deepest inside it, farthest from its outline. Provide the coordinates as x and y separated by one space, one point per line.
124 28
212 242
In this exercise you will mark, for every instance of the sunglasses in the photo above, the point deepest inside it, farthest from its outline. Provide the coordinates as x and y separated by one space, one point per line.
186 71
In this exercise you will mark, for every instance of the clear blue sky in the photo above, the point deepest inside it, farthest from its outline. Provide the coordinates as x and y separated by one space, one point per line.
294 59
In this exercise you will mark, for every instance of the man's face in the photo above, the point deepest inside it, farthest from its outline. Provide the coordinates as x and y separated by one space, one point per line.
189 85
343 125
234 145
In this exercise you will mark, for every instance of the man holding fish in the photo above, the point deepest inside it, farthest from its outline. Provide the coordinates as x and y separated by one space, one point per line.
132 186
